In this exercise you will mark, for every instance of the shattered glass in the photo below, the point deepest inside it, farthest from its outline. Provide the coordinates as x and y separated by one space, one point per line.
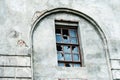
74 49
68 65
67 49
65 32
59 48
58 31
66 39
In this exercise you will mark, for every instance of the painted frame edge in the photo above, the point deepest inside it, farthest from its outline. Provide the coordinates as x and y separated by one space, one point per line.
78 13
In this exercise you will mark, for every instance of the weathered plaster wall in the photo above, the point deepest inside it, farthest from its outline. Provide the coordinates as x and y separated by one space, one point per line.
15 24
44 46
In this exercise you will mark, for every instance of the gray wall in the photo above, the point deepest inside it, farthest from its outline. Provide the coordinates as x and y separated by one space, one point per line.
16 18
45 54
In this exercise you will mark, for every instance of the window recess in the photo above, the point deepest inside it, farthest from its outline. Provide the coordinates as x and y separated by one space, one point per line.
67 44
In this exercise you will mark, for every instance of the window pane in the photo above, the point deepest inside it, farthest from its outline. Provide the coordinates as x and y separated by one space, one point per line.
59 48
67 49
76 57
66 39
68 57
60 64
58 38
60 56
74 49
72 33
74 40
76 65
68 65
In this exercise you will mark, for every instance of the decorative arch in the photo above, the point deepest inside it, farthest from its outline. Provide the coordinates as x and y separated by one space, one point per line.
75 12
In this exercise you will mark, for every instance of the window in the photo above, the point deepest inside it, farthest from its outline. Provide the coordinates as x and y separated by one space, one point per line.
67 44
72 79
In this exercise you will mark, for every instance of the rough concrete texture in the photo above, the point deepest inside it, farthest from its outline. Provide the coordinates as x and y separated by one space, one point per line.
16 17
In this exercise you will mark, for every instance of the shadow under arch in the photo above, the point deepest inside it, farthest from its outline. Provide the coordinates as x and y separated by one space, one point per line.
75 12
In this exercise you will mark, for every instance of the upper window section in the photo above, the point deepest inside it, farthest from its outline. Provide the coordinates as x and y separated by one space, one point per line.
66 35
67 44
66 32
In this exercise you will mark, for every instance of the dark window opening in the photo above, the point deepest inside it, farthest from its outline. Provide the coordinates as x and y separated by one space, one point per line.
59 48
67 65
65 32
65 37
58 31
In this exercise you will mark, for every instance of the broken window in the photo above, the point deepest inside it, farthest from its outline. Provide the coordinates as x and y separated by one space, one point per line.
65 32
74 49
58 31
60 55
68 53
65 35
67 65
67 49
59 48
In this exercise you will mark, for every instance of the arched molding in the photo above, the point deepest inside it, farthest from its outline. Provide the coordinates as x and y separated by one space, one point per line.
42 15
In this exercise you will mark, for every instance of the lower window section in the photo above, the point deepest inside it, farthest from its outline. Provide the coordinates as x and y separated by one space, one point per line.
72 79
69 64
68 56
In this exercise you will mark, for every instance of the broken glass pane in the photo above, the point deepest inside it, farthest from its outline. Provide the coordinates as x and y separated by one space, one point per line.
74 40
75 57
59 48
66 39
60 64
68 57
60 55
68 65
67 49
58 31
74 49
58 38
65 32
76 65
72 33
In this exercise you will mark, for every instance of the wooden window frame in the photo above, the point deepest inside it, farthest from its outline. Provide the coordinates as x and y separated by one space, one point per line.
65 26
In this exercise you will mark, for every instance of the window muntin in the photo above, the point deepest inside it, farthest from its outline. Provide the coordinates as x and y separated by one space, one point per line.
68 52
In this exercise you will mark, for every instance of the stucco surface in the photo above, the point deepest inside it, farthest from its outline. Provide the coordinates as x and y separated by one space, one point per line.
17 16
